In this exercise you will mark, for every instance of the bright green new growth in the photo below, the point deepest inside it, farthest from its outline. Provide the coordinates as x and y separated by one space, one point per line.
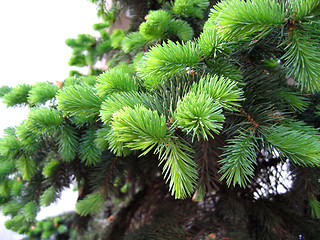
305 10
222 90
181 29
170 58
190 8
12 208
17 95
115 102
205 105
160 24
178 168
43 120
140 128
156 26
116 38
133 41
79 100
40 93
9 146
115 81
17 223
16 187
237 19
199 115
211 44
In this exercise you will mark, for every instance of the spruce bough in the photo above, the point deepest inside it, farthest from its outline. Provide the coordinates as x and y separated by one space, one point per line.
205 124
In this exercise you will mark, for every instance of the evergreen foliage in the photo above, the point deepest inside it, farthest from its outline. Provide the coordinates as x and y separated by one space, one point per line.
204 126
40 93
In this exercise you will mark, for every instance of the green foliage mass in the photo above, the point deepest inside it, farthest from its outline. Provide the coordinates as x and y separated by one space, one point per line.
199 121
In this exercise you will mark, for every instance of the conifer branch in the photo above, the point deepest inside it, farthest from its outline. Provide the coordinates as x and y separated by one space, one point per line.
302 60
240 158
287 140
305 10
199 115
89 153
170 58
115 81
79 100
178 168
238 19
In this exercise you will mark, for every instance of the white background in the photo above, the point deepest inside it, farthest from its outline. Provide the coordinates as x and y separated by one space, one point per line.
32 49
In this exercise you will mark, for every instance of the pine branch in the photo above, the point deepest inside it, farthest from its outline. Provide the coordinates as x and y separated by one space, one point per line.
6 168
190 8
116 37
115 146
240 158
40 93
207 155
115 102
18 96
170 58
115 81
50 167
4 90
295 101
79 100
222 90
48 196
287 140
211 44
10 147
133 41
181 29
101 139
91 204
17 224
156 26
305 10
30 211
140 128
89 153
27 166
315 207
43 120
302 60
237 19
198 114
178 168
12 208
68 143
30 141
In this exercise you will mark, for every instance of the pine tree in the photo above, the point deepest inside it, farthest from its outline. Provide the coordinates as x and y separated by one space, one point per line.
205 125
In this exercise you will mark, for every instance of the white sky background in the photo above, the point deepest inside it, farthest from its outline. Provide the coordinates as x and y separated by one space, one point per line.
32 49
32 42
